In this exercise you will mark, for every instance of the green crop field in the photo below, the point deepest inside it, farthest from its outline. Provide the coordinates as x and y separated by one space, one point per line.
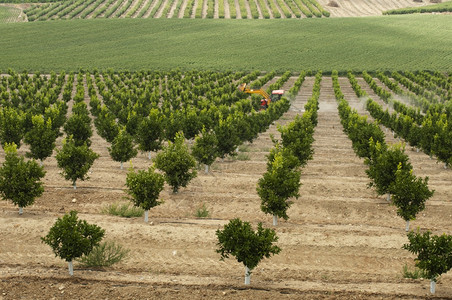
408 42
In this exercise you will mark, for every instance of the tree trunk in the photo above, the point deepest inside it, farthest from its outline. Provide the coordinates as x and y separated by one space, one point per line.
71 268
21 210
149 155
146 215
445 165
407 227
122 165
206 169
41 162
432 286
74 184
388 197
247 275
275 220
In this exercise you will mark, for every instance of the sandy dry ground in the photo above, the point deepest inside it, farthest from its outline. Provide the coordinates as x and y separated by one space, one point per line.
342 241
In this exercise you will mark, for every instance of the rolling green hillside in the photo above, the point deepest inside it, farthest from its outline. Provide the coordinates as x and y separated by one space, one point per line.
411 42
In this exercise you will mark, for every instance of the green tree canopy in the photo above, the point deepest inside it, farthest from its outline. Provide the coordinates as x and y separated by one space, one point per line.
41 138
177 163
383 164
279 183
75 161
249 247
144 188
409 194
20 180
205 148
434 253
122 148
70 238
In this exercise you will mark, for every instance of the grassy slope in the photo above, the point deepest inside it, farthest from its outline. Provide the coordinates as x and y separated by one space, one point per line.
391 42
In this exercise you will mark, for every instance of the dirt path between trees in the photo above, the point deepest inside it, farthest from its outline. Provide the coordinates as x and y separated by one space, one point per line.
341 241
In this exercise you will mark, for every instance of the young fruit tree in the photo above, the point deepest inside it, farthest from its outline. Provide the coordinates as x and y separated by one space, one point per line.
106 125
409 194
79 125
41 138
75 161
177 163
434 254
150 132
11 126
227 134
205 148
297 136
122 148
249 247
383 164
71 238
144 189
20 180
279 183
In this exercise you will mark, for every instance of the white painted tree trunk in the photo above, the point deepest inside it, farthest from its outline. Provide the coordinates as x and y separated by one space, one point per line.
247 275
122 167
388 197
432 286
74 184
206 169
41 162
275 220
149 155
407 227
146 216
21 210
71 268
445 165
417 149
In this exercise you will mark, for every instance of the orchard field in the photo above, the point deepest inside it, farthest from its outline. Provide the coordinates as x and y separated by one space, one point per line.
342 240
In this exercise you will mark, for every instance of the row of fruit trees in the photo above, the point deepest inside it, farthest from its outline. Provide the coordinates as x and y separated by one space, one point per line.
165 112
83 9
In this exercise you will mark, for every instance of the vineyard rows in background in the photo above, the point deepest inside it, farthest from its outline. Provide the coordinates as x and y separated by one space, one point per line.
207 9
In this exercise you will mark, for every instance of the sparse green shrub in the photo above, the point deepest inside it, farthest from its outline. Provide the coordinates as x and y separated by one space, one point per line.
202 212
414 273
105 254
126 210
243 156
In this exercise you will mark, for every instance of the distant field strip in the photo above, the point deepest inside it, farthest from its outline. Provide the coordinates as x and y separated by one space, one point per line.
407 42
204 9
436 8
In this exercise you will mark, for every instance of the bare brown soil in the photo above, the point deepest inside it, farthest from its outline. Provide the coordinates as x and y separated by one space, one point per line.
342 241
